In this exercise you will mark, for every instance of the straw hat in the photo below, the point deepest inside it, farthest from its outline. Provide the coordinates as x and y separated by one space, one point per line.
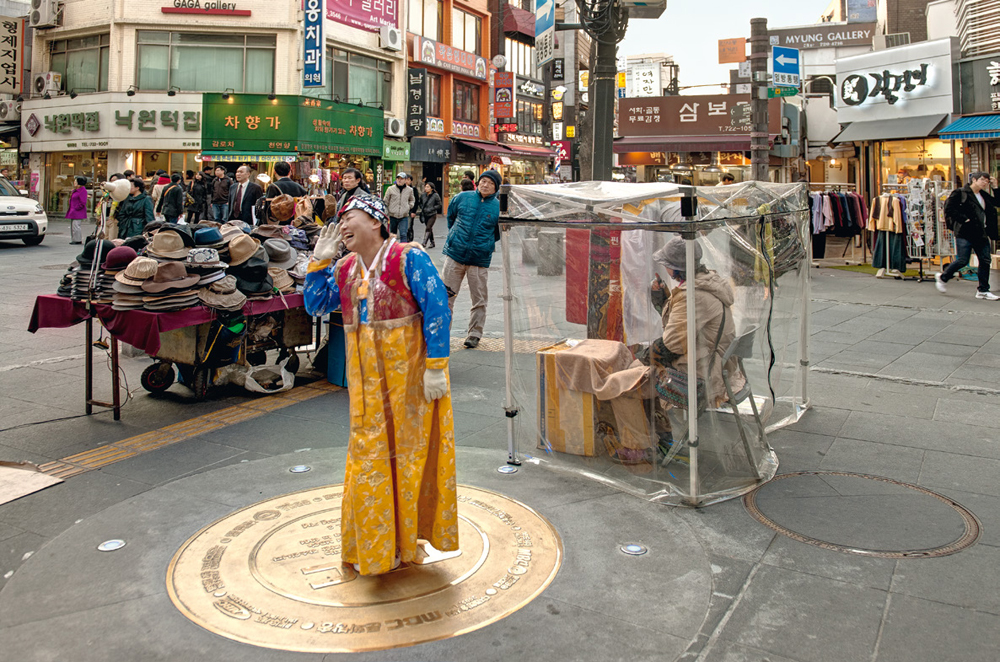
242 249
230 232
137 271
167 244
282 281
170 276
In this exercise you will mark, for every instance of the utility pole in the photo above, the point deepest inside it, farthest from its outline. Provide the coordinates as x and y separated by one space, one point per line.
759 148
602 104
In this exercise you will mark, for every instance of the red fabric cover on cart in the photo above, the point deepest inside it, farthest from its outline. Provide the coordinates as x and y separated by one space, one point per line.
139 328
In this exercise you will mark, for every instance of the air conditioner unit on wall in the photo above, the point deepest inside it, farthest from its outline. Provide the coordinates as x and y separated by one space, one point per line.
390 39
46 82
884 41
394 127
10 111
44 14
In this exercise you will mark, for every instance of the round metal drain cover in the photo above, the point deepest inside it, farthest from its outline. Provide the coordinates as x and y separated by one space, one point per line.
271 575
861 514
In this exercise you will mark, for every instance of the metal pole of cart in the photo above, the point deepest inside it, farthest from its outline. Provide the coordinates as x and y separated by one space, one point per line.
804 324
508 348
692 367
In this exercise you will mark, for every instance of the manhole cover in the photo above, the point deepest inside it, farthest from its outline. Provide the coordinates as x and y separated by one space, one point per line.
862 514
270 575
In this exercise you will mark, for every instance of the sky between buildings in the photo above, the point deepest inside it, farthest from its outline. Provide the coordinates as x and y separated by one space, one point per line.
690 31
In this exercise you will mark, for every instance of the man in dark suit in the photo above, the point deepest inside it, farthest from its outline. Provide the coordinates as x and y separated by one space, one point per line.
243 196
284 183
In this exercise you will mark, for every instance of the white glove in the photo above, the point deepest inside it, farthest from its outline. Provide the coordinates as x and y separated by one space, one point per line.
435 384
328 242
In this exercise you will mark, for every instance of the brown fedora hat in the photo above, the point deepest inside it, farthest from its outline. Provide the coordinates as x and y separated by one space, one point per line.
167 244
242 249
170 276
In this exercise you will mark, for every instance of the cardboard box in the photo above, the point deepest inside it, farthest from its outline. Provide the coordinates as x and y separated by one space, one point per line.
567 420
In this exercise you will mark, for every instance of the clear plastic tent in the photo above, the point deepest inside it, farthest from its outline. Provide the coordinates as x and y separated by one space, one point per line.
599 323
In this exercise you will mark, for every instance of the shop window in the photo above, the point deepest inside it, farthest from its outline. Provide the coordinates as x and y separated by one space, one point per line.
83 62
203 62
434 95
466 102
466 31
529 118
427 18
520 58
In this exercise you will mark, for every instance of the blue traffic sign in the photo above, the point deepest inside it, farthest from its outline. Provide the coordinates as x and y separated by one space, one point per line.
545 31
785 66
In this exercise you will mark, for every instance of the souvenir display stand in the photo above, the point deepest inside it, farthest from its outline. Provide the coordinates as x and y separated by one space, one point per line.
598 325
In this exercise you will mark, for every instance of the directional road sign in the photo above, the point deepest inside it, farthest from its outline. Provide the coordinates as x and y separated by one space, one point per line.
545 31
775 92
785 66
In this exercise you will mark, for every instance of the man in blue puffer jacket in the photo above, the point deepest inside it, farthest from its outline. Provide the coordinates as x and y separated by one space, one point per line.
473 229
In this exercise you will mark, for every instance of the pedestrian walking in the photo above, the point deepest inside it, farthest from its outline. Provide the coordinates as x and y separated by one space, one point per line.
430 207
971 214
77 211
415 209
473 230
399 482
399 200
135 211
196 198
220 195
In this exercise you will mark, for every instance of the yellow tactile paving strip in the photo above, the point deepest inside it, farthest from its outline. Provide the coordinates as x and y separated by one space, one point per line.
171 434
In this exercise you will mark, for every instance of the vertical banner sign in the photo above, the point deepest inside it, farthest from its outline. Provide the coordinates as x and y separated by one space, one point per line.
545 31
503 89
416 102
559 69
313 69
11 55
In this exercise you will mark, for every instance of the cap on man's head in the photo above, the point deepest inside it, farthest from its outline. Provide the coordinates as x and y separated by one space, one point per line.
401 175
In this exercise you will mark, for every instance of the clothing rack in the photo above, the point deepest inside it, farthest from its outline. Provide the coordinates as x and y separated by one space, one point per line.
925 233
886 271
851 243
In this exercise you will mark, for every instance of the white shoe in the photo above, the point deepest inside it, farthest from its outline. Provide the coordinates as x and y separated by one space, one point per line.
939 284
989 296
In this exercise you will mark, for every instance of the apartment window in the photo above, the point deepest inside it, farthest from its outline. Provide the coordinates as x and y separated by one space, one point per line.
427 18
434 95
355 77
529 118
204 62
466 31
83 62
520 58
466 102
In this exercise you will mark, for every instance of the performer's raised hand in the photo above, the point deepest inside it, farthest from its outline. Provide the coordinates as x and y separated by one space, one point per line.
328 242
435 384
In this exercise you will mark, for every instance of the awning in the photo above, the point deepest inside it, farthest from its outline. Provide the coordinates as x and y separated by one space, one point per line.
683 144
533 152
516 19
249 156
972 128
483 146
906 127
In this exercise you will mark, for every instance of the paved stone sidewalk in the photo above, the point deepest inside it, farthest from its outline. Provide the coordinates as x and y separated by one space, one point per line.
904 387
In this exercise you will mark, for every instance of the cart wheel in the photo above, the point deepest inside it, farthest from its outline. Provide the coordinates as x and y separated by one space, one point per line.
200 383
257 358
293 364
157 377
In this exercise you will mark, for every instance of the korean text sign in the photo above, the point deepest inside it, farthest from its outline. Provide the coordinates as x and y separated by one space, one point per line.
503 90
368 15
11 55
313 68
705 115
416 102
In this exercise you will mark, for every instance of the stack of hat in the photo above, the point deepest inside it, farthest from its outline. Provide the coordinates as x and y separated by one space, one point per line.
206 264
248 263
117 261
223 295
282 280
229 232
79 286
168 245
171 288
128 292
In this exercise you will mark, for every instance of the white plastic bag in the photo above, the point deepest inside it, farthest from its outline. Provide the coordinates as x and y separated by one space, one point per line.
254 373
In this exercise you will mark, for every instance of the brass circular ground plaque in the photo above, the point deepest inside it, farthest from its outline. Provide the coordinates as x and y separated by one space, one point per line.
271 575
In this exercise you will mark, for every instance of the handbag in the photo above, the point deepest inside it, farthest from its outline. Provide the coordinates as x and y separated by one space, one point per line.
672 384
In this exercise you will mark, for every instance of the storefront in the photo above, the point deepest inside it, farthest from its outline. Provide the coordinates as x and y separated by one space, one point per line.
529 161
979 126
316 136
429 158
696 138
96 135
892 104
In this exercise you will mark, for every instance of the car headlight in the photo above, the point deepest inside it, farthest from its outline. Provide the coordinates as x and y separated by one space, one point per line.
39 210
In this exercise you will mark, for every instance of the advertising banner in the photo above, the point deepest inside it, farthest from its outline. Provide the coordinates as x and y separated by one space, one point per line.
11 55
862 11
705 115
449 58
368 15
503 95
313 70
416 102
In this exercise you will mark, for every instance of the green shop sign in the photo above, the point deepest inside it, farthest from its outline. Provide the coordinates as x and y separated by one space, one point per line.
394 150
253 123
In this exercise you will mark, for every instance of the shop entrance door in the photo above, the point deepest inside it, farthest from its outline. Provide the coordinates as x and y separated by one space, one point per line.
434 173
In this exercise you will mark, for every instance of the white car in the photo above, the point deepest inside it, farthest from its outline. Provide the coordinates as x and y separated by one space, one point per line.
21 217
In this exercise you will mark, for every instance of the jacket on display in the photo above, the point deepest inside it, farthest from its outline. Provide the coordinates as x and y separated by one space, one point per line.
473 228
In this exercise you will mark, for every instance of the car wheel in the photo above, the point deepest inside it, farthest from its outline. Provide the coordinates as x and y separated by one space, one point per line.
33 241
